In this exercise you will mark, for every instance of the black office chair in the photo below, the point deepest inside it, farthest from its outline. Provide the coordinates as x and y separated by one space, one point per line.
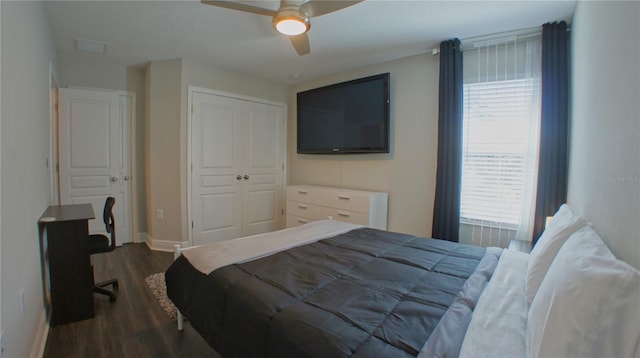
101 243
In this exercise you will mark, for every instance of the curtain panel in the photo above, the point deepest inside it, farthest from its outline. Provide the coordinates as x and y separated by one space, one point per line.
446 213
554 124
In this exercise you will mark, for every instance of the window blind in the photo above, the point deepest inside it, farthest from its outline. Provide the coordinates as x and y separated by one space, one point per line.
497 121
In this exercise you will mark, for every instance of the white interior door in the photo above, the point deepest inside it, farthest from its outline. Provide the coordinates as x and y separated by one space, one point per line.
237 154
94 152
216 177
263 168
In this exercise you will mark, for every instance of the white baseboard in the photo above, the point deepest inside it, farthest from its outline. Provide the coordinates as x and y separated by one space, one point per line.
164 245
40 338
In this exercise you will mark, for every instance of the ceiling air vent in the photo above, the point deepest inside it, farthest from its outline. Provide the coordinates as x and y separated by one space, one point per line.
91 46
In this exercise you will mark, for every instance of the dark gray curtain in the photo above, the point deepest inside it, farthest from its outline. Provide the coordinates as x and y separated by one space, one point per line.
554 124
446 213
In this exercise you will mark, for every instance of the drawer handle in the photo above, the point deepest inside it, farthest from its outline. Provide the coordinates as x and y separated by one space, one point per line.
302 206
343 214
302 221
344 197
300 191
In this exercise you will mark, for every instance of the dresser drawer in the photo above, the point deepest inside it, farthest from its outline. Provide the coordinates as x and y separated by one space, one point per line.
306 203
347 200
293 220
305 210
303 194
353 217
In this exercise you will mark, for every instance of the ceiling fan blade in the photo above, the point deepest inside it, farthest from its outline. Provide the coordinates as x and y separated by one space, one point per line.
322 7
301 44
240 6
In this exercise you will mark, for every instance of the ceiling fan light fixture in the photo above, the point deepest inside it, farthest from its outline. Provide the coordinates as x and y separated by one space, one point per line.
291 22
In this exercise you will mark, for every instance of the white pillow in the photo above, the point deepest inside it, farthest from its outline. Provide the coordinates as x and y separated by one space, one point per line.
562 225
588 304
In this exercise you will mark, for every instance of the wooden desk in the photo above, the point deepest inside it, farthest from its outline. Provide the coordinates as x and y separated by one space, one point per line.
66 262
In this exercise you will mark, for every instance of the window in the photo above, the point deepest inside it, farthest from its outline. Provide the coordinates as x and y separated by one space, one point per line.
500 139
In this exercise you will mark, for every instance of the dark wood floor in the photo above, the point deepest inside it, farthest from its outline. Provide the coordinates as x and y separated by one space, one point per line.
134 325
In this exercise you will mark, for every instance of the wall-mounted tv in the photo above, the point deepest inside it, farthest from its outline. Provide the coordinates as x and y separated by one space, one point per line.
345 118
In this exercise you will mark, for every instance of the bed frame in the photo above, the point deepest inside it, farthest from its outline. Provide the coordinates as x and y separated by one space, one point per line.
177 250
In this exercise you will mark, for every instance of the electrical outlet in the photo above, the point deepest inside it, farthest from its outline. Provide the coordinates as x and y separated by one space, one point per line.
159 214
22 303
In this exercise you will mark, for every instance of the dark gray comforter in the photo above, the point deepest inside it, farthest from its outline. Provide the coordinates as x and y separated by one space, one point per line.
365 293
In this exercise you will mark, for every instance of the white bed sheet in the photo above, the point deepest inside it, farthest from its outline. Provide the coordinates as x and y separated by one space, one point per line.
498 327
206 258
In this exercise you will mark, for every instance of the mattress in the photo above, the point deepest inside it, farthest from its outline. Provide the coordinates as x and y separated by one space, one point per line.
363 292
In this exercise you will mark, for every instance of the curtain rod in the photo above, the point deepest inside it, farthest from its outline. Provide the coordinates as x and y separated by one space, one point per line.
491 39
497 40
507 34
485 40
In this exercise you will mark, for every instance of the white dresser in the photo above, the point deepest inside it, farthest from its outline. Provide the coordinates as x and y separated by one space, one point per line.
307 203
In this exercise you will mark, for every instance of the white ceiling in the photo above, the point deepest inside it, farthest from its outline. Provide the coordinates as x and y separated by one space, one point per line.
367 33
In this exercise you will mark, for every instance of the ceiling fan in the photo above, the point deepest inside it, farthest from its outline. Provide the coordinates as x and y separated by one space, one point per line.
292 17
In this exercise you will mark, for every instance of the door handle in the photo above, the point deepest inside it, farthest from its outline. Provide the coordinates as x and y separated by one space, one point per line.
246 177
114 179
126 178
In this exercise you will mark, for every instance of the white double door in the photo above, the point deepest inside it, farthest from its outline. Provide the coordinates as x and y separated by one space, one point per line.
93 137
237 156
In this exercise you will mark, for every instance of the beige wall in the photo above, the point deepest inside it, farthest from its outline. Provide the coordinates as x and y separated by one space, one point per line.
407 173
604 175
27 48
195 74
92 71
163 150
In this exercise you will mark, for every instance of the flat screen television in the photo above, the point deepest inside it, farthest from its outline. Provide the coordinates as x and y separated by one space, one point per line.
345 118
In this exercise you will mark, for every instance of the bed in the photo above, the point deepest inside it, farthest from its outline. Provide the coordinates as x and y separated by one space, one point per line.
332 289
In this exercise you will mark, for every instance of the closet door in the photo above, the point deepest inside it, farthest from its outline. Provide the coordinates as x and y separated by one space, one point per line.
216 173
263 167
237 156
